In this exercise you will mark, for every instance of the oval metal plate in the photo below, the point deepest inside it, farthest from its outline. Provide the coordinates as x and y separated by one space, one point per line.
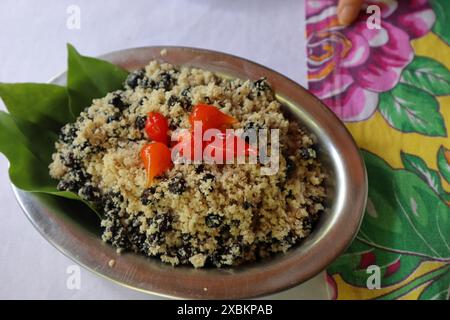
75 231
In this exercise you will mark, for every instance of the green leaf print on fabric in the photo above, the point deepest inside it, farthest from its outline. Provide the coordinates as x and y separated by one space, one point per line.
405 225
352 265
431 177
410 109
438 289
442 10
427 74
406 215
444 163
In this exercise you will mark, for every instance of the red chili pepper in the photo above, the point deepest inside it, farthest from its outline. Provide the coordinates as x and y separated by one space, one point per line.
231 146
156 157
186 146
156 127
210 117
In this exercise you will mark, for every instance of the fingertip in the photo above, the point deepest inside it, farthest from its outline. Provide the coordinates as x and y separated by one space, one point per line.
348 11
347 14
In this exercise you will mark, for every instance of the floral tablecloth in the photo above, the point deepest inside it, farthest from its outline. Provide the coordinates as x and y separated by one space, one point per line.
391 86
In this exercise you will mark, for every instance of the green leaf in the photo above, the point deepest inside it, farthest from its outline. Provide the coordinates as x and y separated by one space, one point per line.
352 267
410 109
38 111
429 75
443 163
439 289
405 215
39 141
431 177
42 104
442 10
89 78
26 170
415 283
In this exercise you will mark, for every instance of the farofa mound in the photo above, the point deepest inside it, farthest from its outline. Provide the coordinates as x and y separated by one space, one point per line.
204 214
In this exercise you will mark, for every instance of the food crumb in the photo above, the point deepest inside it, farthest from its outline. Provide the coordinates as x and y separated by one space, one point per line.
111 263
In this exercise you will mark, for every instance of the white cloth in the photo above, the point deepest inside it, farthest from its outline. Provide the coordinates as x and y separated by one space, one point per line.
33 35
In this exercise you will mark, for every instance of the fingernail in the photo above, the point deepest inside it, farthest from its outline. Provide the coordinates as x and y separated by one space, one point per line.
345 15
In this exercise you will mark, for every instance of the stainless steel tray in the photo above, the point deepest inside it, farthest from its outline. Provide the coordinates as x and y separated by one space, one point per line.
75 231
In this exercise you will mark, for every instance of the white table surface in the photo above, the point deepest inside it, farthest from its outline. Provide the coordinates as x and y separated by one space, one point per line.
33 35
